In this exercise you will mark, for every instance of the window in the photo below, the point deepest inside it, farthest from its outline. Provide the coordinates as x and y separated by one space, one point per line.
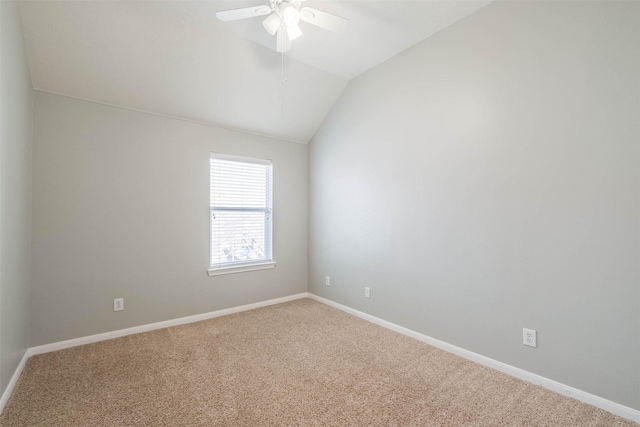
241 212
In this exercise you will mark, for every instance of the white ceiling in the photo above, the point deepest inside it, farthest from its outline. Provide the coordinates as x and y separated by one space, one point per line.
175 58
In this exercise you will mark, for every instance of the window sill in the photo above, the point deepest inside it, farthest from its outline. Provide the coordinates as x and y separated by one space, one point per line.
241 268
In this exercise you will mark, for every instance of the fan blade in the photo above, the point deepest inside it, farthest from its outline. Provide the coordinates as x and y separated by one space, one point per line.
323 19
283 44
246 12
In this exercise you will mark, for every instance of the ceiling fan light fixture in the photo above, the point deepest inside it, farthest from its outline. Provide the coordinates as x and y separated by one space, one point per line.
291 16
293 32
283 19
272 23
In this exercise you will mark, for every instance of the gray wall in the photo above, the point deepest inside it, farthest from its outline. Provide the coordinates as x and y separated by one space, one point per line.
120 209
16 118
486 180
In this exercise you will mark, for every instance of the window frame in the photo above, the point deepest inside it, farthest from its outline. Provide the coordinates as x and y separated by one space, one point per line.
238 267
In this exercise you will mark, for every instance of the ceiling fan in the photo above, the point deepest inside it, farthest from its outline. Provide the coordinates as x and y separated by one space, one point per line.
284 18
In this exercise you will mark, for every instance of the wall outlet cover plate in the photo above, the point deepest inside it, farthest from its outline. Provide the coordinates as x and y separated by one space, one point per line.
529 337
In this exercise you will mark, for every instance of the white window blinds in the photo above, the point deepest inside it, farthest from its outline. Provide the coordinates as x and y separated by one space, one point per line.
241 211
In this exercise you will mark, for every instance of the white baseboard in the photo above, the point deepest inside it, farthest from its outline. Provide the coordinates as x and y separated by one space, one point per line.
47 348
599 402
158 325
582 396
14 379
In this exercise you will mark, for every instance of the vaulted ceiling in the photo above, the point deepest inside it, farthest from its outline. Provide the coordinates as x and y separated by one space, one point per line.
175 58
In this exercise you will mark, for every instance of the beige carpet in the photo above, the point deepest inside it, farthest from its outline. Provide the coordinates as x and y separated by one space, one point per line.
299 363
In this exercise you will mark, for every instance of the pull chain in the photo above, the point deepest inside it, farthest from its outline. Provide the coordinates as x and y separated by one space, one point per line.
284 80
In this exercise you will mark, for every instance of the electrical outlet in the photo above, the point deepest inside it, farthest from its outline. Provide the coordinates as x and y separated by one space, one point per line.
327 280
529 337
118 304
367 292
